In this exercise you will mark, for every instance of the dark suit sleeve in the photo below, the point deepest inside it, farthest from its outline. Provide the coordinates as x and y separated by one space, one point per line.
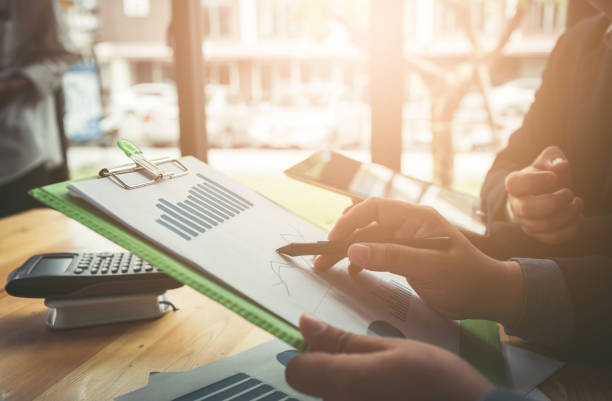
507 240
502 394
538 131
589 280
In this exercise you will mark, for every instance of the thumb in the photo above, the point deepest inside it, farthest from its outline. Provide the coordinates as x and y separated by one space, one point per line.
322 337
560 166
552 158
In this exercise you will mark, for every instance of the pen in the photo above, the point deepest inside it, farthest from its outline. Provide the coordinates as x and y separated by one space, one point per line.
341 247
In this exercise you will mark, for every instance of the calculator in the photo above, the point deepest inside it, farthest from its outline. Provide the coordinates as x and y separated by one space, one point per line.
77 275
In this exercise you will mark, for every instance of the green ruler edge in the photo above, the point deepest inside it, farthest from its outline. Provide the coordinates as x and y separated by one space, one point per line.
479 342
57 197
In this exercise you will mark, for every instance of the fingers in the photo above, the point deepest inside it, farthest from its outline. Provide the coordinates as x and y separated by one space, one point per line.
383 220
560 166
387 213
325 262
399 259
563 235
548 172
530 182
369 233
337 367
551 158
354 201
325 338
540 206
367 230
561 219
332 377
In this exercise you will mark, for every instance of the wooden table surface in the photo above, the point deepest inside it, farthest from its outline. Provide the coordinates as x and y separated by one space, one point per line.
103 362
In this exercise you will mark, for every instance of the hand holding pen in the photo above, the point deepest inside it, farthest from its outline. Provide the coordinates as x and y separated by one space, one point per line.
454 278
340 248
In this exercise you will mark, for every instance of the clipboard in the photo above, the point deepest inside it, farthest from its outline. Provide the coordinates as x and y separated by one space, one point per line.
479 340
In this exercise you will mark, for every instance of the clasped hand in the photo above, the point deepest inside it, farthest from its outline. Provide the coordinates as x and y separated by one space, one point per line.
541 201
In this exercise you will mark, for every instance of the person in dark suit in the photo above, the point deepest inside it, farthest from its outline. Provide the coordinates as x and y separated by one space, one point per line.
549 192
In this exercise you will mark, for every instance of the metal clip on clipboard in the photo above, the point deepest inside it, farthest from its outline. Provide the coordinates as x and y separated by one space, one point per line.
151 167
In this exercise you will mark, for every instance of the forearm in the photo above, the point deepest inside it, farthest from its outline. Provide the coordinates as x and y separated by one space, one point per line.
505 292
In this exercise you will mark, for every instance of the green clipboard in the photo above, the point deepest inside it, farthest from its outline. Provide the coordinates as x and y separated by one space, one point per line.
479 342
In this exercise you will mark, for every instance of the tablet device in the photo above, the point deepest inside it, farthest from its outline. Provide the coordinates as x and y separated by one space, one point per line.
338 173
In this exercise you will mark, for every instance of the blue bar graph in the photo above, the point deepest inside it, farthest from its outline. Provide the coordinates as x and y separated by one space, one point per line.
213 388
205 206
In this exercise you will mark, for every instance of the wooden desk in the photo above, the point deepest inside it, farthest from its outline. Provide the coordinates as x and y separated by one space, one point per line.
104 362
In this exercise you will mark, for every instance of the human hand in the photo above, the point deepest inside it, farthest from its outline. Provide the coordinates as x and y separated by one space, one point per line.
540 199
345 366
459 282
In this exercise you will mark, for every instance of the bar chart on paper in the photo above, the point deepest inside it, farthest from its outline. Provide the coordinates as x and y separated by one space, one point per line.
229 232
207 205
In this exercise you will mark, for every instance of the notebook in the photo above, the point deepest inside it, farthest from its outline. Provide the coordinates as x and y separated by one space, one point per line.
219 237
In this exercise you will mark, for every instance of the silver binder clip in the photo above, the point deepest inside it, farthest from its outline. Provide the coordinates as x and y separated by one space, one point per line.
151 168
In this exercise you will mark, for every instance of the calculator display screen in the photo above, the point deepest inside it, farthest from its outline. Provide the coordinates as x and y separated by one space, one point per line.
51 266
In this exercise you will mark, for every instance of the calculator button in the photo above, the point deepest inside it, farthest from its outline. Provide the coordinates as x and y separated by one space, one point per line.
124 270
137 268
148 268
78 270
94 270
104 270
114 270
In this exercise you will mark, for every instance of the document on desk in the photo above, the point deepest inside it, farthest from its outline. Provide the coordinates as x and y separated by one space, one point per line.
264 367
230 233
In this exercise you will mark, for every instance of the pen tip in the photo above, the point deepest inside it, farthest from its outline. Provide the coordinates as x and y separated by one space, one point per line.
283 249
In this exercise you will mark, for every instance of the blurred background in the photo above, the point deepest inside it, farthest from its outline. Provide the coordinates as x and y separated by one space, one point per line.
429 87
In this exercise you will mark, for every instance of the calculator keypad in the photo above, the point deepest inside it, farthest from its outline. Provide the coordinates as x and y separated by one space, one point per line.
104 263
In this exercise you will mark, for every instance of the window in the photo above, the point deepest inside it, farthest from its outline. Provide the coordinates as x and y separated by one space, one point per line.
219 20
136 8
